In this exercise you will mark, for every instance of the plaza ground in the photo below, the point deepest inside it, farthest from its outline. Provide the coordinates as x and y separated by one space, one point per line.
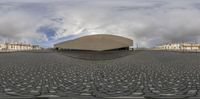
100 74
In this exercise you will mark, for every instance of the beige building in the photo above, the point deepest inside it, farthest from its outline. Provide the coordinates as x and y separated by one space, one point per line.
191 46
18 47
97 42
2 46
180 46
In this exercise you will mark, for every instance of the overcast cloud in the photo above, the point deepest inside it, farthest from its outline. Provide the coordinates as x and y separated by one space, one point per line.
147 22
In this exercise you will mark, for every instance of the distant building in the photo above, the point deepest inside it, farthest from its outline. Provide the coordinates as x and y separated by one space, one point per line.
18 47
2 46
191 46
180 46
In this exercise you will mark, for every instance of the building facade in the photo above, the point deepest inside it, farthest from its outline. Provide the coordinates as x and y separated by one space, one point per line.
18 47
180 46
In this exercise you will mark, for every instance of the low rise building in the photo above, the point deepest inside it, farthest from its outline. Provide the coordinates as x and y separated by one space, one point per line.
191 46
18 47
180 46
2 46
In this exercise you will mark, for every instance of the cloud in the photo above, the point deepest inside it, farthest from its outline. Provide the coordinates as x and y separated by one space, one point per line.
147 22
17 26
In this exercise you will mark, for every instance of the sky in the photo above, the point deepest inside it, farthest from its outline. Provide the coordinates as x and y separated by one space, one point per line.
148 22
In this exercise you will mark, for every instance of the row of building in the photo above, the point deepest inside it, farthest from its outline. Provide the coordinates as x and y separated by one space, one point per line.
18 47
180 46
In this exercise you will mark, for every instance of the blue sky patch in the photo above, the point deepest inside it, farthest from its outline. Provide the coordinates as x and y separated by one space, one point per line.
48 31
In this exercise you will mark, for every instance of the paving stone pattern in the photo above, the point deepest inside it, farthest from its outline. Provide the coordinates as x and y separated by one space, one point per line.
117 73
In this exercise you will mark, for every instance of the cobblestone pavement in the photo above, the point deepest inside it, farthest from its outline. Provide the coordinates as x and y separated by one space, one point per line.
140 73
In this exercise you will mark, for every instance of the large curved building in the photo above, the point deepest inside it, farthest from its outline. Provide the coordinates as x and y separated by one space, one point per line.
98 42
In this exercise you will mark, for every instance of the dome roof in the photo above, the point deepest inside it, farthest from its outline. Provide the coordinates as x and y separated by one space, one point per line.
98 42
